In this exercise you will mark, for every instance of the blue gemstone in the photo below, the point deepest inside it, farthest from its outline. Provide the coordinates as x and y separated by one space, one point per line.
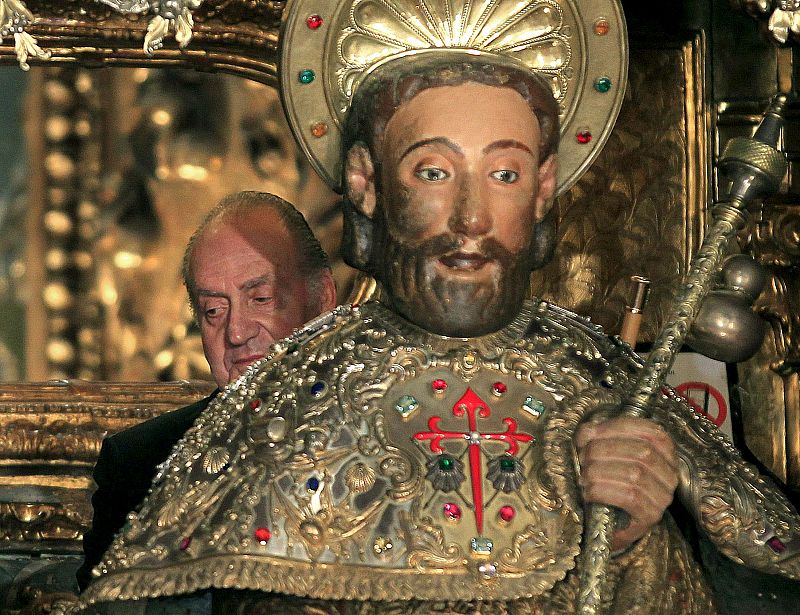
312 484
318 388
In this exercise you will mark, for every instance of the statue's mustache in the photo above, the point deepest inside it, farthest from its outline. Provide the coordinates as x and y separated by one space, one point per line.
447 243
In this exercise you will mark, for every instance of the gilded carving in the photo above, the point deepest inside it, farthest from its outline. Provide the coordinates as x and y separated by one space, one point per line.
54 431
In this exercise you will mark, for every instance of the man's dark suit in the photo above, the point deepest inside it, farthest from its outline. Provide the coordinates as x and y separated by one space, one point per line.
123 473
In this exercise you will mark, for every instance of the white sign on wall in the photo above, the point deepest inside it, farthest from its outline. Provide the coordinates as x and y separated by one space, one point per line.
703 382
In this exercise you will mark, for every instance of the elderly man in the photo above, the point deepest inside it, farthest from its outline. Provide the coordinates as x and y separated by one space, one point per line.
433 452
254 272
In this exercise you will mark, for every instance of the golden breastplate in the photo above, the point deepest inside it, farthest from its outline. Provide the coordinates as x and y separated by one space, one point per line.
415 466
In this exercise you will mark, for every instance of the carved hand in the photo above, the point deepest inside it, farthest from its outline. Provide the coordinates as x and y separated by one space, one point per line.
629 463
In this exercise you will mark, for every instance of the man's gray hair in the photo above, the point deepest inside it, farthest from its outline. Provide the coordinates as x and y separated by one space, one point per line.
313 261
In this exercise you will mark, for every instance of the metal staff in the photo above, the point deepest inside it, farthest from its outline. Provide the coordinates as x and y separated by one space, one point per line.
757 168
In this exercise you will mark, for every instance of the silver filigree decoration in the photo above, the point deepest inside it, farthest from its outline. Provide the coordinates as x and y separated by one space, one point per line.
215 459
506 473
169 16
14 16
359 478
785 19
445 472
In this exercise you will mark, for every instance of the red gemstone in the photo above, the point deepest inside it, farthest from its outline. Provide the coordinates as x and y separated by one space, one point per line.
584 137
439 385
185 542
255 403
507 513
776 545
498 388
452 511
314 21
263 535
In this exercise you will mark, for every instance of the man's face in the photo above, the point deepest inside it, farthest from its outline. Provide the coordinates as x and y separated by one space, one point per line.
461 189
250 292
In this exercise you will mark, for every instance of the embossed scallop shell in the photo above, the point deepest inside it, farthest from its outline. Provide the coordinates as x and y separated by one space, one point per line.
215 459
532 31
359 478
171 512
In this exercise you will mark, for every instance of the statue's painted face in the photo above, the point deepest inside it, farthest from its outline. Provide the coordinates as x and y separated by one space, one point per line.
461 187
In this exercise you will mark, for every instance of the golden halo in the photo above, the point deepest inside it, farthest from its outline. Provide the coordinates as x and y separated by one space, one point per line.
328 47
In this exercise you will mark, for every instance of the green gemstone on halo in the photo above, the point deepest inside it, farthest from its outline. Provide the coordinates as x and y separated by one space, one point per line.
533 406
306 76
602 84
406 405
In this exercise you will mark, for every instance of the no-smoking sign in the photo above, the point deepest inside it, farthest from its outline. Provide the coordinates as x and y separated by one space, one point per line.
703 383
705 400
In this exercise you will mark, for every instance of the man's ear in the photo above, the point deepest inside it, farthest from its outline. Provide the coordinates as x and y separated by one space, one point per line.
548 175
359 179
327 292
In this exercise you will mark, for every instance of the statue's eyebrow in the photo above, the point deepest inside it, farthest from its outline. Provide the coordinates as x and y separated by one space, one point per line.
433 140
507 143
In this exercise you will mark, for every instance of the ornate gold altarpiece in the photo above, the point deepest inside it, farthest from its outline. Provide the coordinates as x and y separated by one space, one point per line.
641 209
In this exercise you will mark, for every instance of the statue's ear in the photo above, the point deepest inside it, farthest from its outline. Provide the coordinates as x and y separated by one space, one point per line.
359 179
358 207
543 243
548 176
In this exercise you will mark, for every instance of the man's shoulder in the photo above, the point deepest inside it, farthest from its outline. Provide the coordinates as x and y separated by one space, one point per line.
159 432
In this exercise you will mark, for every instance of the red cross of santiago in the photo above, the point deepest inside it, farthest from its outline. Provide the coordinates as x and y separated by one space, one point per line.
473 406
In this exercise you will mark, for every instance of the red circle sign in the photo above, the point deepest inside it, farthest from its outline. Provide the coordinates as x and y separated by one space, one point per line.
708 392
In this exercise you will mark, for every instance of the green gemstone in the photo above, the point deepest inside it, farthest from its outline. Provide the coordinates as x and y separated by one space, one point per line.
406 405
306 76
602 84
507 464
533 406
446 463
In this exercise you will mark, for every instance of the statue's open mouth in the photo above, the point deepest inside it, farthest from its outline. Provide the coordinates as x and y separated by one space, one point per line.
464 261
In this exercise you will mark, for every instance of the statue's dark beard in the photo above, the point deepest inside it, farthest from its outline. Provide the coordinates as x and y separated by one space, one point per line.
452 306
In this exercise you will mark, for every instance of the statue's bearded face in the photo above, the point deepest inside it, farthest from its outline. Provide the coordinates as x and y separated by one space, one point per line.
460 190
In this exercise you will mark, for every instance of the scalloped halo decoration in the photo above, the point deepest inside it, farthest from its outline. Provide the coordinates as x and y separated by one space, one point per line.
556 38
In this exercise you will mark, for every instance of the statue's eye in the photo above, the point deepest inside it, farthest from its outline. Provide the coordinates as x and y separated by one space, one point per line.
431 174
505 176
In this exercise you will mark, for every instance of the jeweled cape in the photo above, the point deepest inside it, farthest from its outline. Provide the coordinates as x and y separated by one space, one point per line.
366 460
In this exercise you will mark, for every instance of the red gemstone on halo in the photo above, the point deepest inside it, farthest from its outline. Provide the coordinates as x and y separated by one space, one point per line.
452 511
185 542
583 137
263 535
507 513
255 403
314 21
439 385
499 388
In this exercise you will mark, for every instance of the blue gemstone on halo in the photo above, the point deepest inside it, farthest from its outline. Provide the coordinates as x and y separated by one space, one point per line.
312 484
318 388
